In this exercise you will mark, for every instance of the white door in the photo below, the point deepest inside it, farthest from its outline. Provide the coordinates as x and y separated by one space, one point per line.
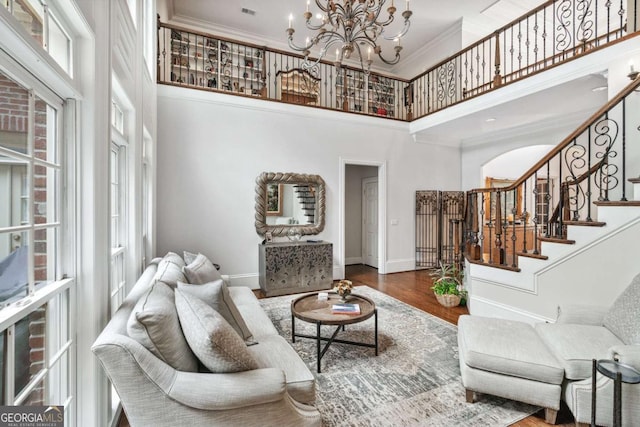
370 221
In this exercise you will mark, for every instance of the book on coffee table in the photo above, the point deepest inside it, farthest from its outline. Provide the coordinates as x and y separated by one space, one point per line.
345 308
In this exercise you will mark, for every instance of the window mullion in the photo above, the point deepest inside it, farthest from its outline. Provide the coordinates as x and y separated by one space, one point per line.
10 363
31 151
45 27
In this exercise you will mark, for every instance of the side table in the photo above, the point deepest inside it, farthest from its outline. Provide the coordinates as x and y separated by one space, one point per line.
619 373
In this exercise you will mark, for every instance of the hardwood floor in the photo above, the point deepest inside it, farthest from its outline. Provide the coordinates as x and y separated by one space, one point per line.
413 288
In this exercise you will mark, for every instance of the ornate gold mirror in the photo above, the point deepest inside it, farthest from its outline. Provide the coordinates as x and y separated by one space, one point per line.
289 203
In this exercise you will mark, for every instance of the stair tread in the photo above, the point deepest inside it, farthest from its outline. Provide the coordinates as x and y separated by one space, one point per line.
556 240
500 266
618 203
532 255
586 223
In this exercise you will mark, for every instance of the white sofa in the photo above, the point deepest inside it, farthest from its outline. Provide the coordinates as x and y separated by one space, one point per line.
280 392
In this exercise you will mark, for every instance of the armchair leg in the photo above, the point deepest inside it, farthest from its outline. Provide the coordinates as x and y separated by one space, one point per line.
469 395
550 415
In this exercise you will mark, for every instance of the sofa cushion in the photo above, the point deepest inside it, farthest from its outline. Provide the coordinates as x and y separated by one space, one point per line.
275 352
200 271
507 347
212 339
170 270
154 324
623 319
216 295
254 316
575 346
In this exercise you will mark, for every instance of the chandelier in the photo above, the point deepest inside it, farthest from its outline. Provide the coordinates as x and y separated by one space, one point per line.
350 26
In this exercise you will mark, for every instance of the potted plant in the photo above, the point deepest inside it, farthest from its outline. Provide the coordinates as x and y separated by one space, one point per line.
447 285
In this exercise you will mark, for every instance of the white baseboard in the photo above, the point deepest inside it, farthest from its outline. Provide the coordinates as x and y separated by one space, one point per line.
479 306
250 280
353 260
398 265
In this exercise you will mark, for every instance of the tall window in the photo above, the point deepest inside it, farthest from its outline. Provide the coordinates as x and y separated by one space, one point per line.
39 18
35 332
150 35
118 193
146 198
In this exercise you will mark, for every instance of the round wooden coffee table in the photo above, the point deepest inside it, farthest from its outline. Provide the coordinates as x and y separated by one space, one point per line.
310 309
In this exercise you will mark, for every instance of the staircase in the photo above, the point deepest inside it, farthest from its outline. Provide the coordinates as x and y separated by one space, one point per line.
307 200
567 231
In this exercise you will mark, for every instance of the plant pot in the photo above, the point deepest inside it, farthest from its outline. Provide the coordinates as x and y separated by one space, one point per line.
448 300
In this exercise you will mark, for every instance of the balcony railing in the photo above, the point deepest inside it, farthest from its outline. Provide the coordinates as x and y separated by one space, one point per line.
588 168
204 61
553 33
550 34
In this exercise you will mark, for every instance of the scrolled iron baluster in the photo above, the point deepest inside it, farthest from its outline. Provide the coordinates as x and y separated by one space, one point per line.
606 131
575 158
563 38
585 30
451 80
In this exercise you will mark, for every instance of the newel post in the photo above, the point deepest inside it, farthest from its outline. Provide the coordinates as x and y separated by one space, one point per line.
498 227
474 252
497 78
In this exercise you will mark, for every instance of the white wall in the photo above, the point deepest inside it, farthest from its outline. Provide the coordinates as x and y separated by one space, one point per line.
476 156
515 163
211 148
354 175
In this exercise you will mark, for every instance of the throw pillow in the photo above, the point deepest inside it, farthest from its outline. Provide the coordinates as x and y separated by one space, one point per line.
217 296
213 341
623 318
154 324
189 257
170 270
200 271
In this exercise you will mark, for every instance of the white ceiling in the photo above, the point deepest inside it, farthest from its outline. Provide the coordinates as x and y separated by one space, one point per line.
431 18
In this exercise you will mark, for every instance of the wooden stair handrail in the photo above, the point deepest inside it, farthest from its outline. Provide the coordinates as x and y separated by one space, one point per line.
568 140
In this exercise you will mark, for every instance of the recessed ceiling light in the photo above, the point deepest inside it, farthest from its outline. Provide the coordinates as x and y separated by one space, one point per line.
491 119
599 88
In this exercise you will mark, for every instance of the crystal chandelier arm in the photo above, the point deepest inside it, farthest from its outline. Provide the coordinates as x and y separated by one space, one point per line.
321 7
394 60
404 31
313 27
307 65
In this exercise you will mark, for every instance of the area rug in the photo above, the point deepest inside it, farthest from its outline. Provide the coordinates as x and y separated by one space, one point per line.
414 381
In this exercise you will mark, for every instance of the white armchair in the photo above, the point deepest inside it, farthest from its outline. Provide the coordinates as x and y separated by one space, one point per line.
584 333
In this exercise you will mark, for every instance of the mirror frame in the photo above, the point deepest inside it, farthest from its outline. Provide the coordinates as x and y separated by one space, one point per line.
287 178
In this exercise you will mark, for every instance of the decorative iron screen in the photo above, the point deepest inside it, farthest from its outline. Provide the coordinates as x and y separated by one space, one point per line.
439 216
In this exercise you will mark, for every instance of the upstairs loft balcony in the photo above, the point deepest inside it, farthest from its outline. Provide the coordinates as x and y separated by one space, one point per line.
552 34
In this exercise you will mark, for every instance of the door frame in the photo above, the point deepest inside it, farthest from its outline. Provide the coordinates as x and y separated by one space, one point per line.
364 231
382 211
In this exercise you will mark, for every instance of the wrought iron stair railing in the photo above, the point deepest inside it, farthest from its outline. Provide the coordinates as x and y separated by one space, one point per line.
589 167
553 33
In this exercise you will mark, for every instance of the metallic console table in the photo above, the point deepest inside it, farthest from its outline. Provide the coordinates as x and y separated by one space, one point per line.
293 267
